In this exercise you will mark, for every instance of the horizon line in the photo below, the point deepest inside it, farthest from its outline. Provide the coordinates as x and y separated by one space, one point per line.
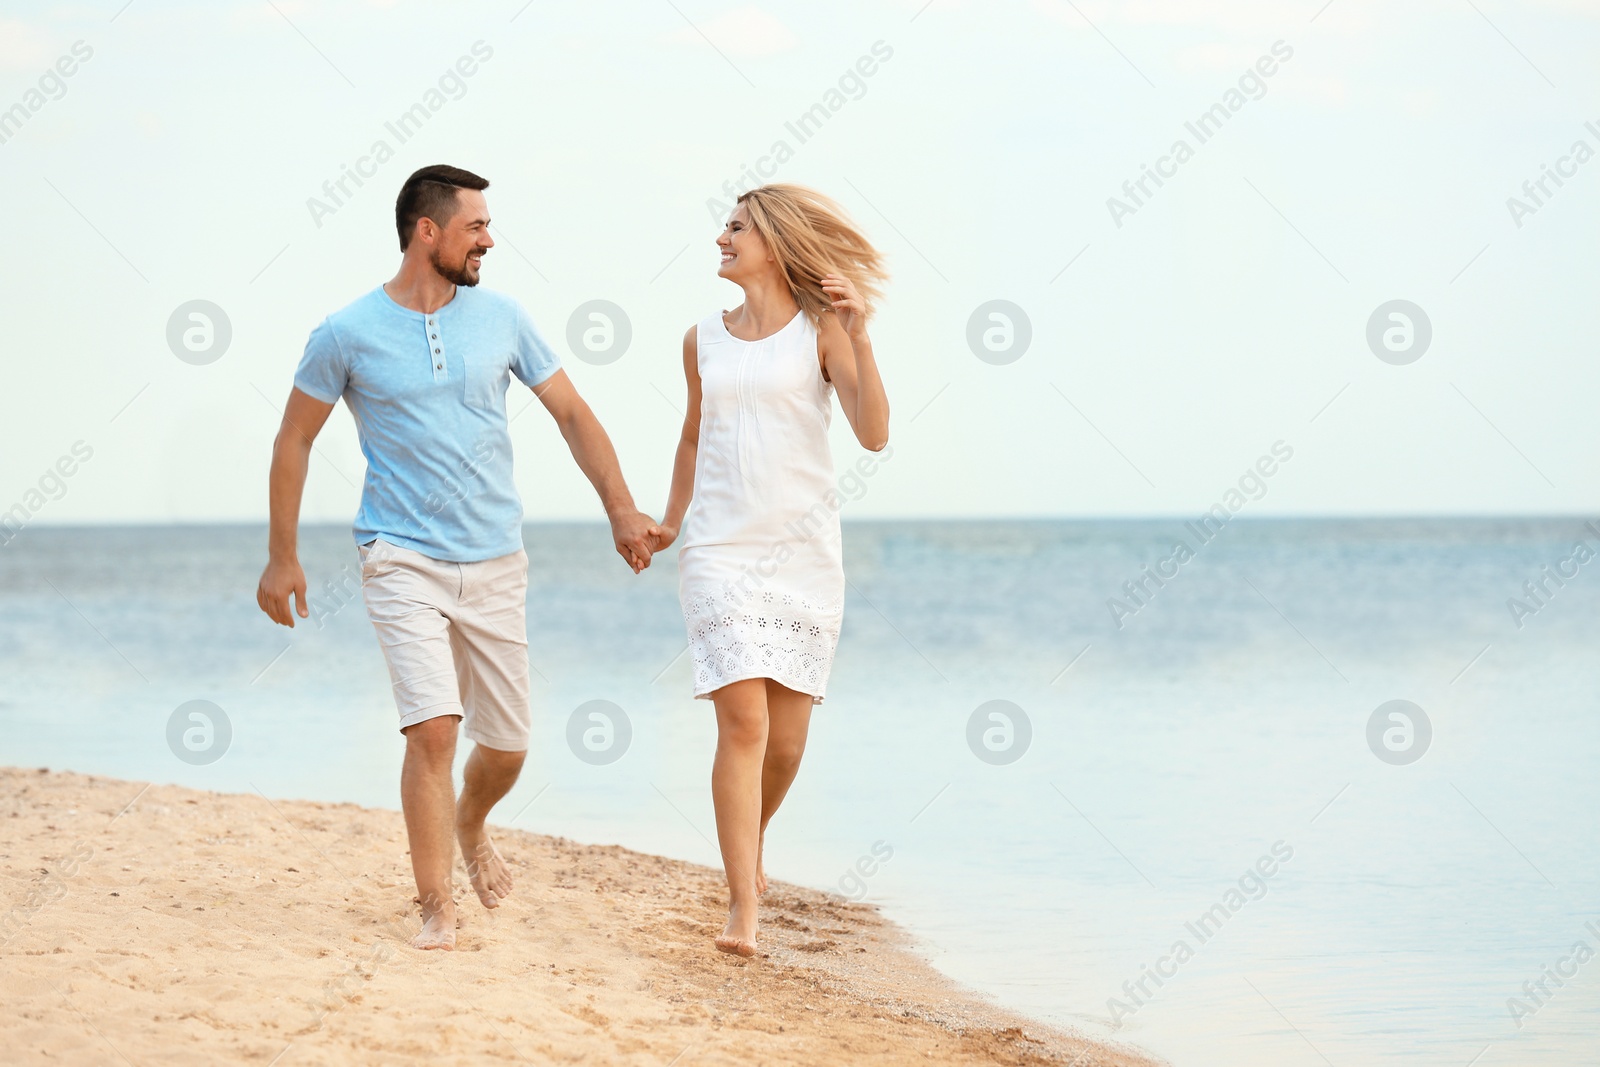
1327 516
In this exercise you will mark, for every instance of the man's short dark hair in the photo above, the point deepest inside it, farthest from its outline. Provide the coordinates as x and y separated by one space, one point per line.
430 193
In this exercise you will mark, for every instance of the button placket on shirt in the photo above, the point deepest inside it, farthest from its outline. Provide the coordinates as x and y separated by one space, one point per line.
441 371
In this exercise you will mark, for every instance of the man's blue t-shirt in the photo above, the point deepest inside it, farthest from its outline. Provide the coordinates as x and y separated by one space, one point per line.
428 393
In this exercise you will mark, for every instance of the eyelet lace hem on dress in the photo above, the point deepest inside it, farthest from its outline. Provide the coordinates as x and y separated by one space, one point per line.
777 635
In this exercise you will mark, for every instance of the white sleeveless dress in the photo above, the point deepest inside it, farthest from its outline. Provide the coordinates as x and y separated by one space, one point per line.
761 571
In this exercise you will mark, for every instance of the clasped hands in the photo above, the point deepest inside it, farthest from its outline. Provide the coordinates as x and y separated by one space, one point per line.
637 537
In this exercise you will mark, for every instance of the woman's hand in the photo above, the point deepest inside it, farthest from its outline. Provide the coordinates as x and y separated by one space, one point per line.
661 536
847 304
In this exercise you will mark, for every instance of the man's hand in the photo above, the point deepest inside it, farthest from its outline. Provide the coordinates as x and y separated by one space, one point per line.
282 577
631 533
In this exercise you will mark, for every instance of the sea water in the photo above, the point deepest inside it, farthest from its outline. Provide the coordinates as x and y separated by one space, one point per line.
1160 797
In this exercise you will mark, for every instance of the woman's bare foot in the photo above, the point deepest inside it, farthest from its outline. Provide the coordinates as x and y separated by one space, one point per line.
739 936
487 869
438 930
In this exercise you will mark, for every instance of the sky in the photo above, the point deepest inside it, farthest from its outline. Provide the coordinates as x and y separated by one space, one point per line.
1056 341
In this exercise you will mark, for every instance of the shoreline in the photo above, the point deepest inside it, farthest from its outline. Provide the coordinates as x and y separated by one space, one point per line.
160 922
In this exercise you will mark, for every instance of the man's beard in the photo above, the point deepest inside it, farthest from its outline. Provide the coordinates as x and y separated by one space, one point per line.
455 275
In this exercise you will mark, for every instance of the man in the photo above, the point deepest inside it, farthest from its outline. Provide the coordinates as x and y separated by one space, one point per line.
422 362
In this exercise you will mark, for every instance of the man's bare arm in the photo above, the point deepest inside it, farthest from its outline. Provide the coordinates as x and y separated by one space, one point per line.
303 419
596 457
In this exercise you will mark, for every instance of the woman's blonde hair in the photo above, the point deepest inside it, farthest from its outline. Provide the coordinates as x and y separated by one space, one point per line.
810 235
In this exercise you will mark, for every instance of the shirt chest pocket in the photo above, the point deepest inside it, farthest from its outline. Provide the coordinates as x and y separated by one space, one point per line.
485 381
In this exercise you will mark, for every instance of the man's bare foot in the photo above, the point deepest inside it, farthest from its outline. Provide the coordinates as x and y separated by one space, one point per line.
490 875
761 863
438 930
739 936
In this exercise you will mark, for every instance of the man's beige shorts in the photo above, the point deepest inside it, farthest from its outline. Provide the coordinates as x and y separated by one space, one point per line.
456 639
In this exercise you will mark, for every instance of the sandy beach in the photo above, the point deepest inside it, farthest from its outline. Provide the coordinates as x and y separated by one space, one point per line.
152 923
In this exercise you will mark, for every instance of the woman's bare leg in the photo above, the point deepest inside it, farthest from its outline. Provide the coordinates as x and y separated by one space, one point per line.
736 794
788 721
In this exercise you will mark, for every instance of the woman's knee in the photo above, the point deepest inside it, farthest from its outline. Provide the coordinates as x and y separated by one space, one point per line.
741 716
783 754
746 729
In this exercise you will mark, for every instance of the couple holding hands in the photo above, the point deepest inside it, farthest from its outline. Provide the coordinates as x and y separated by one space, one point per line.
423 363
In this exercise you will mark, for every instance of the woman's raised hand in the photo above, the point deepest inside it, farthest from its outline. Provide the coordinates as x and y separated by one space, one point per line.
847 304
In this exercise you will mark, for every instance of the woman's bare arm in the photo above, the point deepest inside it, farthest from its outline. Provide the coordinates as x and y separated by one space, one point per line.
848 361
683 464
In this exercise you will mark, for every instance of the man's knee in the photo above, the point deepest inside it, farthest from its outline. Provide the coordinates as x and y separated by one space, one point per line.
501 760
433 739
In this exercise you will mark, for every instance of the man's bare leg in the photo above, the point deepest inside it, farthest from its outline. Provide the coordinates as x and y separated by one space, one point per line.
736 794
788 721
428 798
490 774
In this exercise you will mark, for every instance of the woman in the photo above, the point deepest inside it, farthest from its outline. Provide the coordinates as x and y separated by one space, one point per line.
761 576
